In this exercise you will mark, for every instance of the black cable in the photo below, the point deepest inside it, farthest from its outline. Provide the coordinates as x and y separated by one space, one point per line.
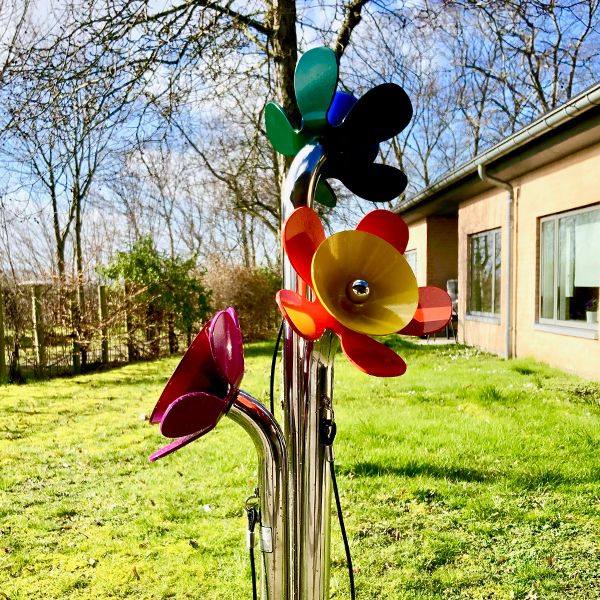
253 571
273 364
338 505
253 519
327 432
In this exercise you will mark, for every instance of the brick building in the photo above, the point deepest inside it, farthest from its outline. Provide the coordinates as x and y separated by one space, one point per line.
519 228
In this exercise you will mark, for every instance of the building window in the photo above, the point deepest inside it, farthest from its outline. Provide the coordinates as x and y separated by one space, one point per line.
570 267
484 273
411 259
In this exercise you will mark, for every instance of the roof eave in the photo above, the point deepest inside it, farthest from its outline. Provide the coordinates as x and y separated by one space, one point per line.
563 131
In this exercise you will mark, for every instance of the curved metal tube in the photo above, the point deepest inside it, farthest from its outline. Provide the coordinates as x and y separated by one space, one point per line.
307 399
294 482
264 431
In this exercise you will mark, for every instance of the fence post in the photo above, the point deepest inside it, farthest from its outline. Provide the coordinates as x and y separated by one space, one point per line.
76 347
129 324
2 341
39 339
103 312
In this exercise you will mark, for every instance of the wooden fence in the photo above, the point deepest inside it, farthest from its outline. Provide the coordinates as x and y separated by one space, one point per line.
39 334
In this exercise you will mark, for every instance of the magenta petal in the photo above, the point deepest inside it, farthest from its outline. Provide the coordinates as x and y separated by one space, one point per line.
231 312
196 372
176 444
191 413
226 345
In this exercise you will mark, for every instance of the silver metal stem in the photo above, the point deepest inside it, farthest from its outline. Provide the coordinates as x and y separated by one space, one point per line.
264 431
307 395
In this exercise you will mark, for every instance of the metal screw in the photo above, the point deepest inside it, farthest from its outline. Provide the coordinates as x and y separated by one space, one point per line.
358 291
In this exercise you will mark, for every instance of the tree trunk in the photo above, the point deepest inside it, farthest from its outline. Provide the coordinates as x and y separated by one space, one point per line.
103 314
152 321
39 334
132 355
173 343
2 340
75 319
284 44
79 268
246 251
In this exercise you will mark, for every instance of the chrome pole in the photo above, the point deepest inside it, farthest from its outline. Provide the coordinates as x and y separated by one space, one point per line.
306 401
264 431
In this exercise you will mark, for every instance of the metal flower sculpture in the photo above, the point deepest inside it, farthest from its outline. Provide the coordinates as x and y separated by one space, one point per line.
363 286
204 384
349 130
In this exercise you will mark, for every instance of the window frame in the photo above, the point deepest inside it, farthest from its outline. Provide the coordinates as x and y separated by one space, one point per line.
490 317
412 252
555 322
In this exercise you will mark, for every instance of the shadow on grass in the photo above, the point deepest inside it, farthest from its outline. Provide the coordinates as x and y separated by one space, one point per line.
542 479
413 469
546 479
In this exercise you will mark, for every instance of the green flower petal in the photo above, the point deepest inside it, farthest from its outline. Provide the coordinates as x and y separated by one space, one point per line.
325 195
283 137
315 82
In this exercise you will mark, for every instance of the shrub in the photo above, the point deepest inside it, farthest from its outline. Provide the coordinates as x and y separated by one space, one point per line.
251 292
164 289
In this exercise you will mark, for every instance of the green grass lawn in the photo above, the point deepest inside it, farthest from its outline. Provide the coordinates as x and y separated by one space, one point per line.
469 477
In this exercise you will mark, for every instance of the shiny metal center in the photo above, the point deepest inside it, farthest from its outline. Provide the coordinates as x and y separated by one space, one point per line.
358 291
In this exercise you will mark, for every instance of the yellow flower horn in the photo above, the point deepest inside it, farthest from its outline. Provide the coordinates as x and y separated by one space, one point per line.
364 283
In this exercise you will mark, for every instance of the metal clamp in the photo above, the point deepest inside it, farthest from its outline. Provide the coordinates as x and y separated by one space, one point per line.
252 507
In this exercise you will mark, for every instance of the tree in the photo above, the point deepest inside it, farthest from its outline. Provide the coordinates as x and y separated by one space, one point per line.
189 53
14 19
61 130
539 52
167 289
199 72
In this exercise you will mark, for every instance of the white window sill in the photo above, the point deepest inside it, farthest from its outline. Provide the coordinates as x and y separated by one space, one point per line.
589 333
482 318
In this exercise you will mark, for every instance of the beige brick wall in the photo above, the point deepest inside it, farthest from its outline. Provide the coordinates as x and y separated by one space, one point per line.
442 250
484 212
417 240
436 241
565 185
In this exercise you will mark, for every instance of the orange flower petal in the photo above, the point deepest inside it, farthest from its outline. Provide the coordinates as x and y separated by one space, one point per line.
386 225
302 234
308 319
433 312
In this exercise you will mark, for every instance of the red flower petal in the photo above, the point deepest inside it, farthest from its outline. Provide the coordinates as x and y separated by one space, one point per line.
370 356
192 413
225 339
175 445
433 312
302 234
386 225
195 372
308 319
